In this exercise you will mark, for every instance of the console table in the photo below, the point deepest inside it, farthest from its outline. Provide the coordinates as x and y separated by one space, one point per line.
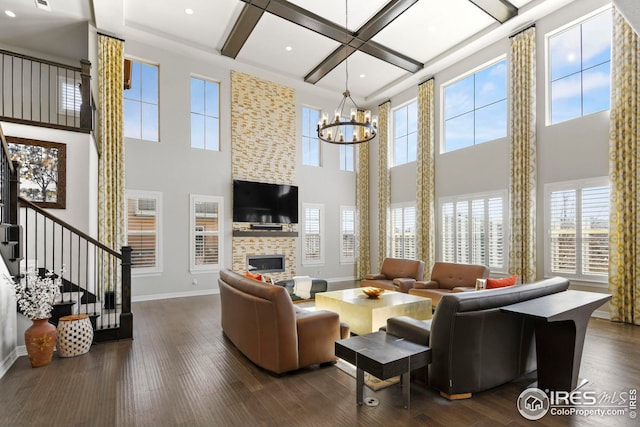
384 356
560 322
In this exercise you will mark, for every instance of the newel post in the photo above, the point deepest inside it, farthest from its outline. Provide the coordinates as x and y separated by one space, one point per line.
86 115
14 192
126 317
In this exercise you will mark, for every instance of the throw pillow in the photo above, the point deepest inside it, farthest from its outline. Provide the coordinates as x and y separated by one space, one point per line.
501 283
257 277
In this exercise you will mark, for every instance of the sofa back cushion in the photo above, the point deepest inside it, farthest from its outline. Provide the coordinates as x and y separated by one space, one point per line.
394 268
451 275
260 321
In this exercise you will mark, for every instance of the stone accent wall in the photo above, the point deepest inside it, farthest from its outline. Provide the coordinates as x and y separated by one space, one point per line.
245 246
263 130
263 149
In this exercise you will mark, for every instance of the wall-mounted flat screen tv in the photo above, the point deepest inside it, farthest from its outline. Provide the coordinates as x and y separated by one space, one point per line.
264 203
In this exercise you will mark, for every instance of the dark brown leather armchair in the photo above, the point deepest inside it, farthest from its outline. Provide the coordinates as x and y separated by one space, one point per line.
449 278
396 274
262 322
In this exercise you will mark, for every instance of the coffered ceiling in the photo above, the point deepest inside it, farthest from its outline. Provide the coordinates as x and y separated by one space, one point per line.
388 43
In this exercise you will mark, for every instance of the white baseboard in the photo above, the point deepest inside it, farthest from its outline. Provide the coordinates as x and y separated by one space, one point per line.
601 314
11 358
171 295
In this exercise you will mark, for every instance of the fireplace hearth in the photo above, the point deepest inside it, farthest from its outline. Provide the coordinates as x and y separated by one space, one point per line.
265 263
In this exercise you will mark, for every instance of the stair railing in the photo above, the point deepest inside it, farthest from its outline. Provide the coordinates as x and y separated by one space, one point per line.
96 280
44 93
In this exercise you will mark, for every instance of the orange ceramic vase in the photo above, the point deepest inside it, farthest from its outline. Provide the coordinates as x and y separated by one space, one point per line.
39 339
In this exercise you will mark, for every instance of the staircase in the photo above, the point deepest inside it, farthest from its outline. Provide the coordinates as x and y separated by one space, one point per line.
96 279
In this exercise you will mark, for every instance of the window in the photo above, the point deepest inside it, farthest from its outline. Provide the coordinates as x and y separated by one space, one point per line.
310 141
70 97
577 226
346 158
347 234
475 108
313 245
205 114
206 223
141 103
579 68
405 134
143 230
403 231
473 230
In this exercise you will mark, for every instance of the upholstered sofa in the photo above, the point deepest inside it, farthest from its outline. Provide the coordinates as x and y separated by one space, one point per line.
476 346
263 323
396 274
446 278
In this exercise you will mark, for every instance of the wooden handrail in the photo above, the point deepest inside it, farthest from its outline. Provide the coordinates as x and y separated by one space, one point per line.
68 226
42 61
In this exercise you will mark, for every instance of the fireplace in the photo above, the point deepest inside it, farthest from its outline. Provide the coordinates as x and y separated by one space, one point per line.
265 263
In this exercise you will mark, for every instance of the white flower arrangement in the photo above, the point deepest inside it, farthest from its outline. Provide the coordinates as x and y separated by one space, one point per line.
36 295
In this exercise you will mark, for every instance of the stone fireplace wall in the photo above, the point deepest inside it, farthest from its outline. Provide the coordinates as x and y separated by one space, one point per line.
263 149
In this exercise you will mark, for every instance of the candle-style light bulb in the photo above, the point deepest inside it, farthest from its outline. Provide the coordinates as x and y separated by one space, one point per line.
354 113
367 116
337 115
325 118
374 121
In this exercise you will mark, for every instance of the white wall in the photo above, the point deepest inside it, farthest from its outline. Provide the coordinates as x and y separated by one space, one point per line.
8 320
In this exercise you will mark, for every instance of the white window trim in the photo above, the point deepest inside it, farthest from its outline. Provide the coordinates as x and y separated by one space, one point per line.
505 218
193 198
344 259
577 185
210 80
320 207
157 65
391 134
62 105
353 165
547 65
444 85
403 206
148 271
319 110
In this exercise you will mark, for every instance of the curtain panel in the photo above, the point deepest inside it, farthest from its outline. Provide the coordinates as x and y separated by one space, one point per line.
362 206
111 142
624 174
522 185
384 181
425 186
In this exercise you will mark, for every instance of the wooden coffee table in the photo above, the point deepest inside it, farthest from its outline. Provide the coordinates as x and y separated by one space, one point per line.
365 315
383 356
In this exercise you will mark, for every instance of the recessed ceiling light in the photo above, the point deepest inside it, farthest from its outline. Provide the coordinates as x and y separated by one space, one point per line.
362 76
188 11
288 48
10 14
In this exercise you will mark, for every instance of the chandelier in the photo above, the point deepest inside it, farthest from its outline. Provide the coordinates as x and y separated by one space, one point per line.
336 131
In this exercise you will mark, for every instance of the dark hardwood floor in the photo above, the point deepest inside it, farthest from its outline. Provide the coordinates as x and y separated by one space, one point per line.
180 371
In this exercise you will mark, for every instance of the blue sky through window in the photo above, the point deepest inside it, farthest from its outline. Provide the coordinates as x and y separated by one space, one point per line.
141 103
580 59
205 119
475 108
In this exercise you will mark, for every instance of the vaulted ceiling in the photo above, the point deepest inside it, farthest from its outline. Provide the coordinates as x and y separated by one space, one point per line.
389 43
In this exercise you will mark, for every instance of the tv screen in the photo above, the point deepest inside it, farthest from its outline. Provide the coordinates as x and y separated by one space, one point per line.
264 203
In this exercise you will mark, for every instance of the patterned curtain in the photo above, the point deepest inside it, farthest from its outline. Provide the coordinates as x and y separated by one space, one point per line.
425 188
111 142
362 207
384 181
522 250
624 174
